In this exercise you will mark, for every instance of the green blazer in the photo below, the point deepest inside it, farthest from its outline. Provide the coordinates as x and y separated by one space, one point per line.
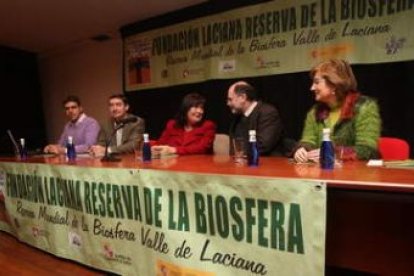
357 129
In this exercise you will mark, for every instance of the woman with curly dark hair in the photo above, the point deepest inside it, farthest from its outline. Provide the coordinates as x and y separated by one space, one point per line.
189 132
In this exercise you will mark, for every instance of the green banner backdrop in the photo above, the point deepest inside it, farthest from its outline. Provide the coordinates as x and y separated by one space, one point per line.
272 38
146 222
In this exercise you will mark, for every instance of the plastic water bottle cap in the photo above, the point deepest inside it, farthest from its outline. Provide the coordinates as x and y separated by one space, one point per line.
326 131
22 142
252 132
70 140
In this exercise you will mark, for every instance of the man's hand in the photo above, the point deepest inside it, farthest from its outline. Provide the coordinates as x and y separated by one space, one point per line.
56 149
97 151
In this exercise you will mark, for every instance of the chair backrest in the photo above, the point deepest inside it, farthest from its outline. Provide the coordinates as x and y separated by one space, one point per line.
392 148
221 144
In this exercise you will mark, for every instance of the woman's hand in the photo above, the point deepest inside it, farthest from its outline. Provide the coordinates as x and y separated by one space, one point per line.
163 150
301 155
313 155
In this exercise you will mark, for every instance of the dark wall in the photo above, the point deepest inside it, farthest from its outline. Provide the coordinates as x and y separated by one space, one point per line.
21 109
391 84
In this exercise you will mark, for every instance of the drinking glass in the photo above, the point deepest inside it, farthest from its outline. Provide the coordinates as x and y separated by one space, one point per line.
339 154
239 150
138 149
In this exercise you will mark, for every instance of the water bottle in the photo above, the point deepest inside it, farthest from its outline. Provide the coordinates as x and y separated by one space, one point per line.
146 149
253 151
70 149
23 149
327 151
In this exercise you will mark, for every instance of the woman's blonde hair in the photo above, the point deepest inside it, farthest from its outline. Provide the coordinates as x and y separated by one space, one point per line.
338 74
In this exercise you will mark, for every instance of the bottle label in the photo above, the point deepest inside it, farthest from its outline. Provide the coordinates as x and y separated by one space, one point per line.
70 150
327 155
146 152
253 155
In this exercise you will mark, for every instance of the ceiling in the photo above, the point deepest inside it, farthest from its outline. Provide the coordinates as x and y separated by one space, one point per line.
47 25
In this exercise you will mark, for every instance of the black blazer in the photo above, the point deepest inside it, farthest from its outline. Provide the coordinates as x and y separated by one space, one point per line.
265 119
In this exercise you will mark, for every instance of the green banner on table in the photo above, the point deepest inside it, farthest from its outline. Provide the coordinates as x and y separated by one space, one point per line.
147 222
271 38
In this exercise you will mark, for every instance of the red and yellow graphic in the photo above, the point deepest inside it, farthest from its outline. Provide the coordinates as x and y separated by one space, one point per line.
168 269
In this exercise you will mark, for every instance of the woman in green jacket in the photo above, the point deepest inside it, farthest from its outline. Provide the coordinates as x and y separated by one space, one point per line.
354 119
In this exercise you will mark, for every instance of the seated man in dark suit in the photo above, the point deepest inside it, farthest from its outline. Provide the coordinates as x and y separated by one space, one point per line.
252 114
125 138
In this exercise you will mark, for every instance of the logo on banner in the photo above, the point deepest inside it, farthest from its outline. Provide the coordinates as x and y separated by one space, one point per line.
332 51
38 232
394 44
262 63
75 240
164 268
227 66
139 64
111 255
108 252
192 71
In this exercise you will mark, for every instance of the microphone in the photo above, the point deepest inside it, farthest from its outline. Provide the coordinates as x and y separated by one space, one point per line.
121 123
15 145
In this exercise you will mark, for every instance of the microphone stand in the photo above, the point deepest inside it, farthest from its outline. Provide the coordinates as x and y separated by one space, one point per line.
15 145
108 157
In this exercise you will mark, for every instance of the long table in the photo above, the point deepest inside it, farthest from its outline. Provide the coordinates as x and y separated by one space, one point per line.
370 221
